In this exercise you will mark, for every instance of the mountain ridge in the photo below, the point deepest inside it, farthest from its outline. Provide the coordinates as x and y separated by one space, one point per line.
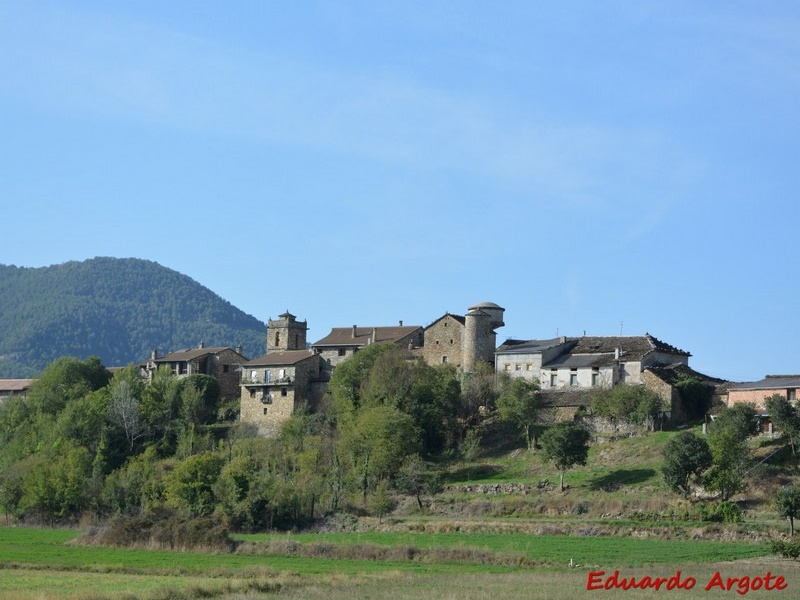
118 309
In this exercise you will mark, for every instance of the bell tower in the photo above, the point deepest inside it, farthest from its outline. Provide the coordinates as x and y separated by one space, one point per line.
286 333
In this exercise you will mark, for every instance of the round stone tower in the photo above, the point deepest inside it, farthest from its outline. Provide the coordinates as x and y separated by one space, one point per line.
480 339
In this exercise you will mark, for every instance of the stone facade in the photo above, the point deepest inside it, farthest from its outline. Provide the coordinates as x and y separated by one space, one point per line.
273 386
286 333
221 363
463 340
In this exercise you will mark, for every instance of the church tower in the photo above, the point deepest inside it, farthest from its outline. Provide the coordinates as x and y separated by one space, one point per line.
286 333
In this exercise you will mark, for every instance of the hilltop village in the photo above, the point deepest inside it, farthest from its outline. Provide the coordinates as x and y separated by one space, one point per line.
294 372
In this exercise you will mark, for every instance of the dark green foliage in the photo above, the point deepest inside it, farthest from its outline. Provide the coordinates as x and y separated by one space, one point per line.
117 309
720 512
190 486
631 403
685 456
695 396
727 440
565 444
519 403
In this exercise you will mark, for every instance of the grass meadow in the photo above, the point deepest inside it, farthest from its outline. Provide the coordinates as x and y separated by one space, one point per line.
43 563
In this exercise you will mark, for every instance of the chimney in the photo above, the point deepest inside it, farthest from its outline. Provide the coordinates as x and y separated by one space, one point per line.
374 334
401 322
616 353
354 332
154 354
562 339
201 345
239 349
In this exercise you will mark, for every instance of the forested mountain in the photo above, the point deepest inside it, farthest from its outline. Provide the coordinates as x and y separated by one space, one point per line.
116 309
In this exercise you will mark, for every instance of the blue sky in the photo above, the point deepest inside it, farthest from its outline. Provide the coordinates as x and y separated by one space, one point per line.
591 167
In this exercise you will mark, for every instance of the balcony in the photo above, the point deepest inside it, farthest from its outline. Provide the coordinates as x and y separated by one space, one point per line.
259 381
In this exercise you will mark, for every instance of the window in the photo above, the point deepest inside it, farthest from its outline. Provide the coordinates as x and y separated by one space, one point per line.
573 377
437 342
253 375
791 395
277 338
281 373
595 377
444 360
342 351
252 393
507 367
225 368
451 341
622 372
267 376
266 409
529 367
284 391
518 367
553 378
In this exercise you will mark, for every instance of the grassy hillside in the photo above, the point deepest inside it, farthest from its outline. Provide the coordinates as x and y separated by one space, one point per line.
117 309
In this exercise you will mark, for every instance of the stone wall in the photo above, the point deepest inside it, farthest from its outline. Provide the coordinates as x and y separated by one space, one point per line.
444 342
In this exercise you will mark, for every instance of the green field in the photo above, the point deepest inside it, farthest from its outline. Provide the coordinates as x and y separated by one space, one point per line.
42 563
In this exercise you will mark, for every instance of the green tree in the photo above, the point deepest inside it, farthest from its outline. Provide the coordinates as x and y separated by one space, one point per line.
727 440
377 441
565 444
519 403
685 456
190 486
348 379
788 501
634 404
785 418
64 380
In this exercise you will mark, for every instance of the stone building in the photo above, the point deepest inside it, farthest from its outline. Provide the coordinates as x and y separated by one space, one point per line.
585 362
221 363
463 340
342 342
287 376
274 385
10 388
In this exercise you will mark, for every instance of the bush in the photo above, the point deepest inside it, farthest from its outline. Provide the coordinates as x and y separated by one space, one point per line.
790 549
164 530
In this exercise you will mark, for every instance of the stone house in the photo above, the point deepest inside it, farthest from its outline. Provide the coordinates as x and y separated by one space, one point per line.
585 362
274 385
568 367
223 364
463 340
342 342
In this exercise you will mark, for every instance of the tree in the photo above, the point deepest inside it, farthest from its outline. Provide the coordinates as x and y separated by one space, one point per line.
64 380
414 478
727 440
565 444
785 418
190 486
519 403
685 456
788 501
377 441
123 411
630 403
